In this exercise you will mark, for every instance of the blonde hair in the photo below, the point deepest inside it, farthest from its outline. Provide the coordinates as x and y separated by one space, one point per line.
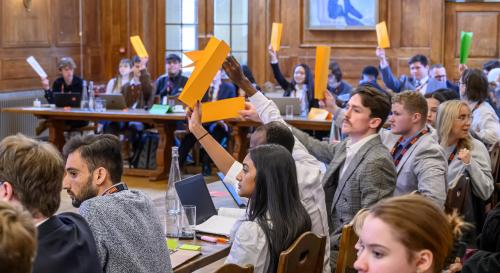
117 86
448 112
17 239
413 102
419 224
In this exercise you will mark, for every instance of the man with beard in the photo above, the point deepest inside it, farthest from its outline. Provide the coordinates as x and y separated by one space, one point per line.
127 230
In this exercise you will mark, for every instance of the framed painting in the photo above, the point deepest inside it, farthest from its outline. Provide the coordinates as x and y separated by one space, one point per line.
341 14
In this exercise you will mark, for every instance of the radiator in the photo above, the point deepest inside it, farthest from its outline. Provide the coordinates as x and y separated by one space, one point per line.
13 123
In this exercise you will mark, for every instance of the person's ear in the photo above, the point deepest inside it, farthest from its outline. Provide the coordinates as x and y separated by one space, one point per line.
100 175
6 191
374 123
424 260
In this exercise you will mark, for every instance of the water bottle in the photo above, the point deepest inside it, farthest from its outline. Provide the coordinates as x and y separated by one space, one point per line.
91 96
172 202
85 97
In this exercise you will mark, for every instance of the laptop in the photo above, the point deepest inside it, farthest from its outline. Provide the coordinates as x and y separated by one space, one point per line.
232 191
67 99
114 101
193 191
284 101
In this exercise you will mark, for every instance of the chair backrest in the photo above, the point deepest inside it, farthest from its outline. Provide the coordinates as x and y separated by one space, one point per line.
306 254
234 268
347 253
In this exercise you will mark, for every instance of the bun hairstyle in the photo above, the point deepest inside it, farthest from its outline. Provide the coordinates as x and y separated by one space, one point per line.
418 224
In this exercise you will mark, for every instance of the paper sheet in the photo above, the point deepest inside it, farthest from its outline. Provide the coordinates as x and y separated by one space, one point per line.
465 45
321 71
318 114
206 68
138 46
222 109
37 67
382 35
276 36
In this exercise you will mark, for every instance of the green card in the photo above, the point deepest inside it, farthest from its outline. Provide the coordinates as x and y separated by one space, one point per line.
465 44
190 247
159 109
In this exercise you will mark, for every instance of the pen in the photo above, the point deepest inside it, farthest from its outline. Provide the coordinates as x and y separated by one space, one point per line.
212 239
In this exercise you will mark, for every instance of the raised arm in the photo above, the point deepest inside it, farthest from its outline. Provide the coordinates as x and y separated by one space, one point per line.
222 159
276 70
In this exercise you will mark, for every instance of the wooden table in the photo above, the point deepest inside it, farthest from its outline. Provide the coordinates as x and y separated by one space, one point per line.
165 124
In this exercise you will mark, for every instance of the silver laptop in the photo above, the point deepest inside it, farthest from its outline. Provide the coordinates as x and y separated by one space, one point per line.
114 101
284 101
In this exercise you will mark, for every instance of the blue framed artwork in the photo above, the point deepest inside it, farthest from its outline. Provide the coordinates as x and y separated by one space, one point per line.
341 14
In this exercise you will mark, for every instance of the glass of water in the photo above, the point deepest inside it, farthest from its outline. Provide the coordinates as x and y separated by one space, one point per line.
188 221
100 105
172 228
289 111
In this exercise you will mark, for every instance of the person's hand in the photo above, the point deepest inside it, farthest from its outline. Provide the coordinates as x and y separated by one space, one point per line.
462 68
194 117
455 267
464 155
273 55
144 62
233 71
328 103
250 113
45 84
380 53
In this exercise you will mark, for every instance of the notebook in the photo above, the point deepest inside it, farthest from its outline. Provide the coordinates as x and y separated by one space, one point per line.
222 223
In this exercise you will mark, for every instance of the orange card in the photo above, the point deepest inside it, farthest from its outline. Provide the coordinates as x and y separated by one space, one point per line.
138 46
318 114
194 56
321 71
205 69
382 35
276 36
222 109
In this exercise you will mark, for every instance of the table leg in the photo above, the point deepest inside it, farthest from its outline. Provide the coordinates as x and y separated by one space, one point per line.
56 133
164 150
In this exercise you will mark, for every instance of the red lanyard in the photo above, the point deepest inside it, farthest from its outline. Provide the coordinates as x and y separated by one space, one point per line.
115 188
407 147
452 155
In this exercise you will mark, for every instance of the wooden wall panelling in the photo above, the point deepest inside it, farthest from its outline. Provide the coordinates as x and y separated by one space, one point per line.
66 14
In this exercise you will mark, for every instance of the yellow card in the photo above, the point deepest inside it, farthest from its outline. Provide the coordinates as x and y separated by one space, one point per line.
204 71
194 56
276 36
382 35
321 71
318 114
138 46
222 109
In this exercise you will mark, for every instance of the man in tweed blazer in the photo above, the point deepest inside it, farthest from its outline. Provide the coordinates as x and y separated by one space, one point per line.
360 171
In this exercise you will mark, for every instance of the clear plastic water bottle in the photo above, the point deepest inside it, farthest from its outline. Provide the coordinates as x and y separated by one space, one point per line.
91 96
172 202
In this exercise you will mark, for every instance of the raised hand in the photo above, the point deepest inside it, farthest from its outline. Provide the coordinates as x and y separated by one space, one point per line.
194 117
273 55
45 84
464 155
235 73
328 103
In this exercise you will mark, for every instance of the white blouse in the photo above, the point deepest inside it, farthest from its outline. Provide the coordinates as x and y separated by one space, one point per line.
485 123
301 94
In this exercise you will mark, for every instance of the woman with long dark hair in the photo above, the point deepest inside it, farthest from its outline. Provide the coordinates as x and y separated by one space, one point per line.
275 216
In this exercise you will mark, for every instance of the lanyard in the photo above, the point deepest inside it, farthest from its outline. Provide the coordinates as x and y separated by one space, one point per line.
406 148
452 155
115 188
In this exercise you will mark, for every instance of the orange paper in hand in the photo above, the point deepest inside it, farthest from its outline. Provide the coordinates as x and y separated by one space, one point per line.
321 71
276 36
194 56
138 46
205 68
318 114
223 109
382 35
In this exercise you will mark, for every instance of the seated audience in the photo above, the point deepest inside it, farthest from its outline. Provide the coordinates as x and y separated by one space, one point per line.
32 172
268 178
17 239
172 82
336 85
474 90
67 83
434 100
139 91
218 90
494 81
438 72
369 76
405 234
466 155
419 70
301 86
126 227
114 85
489 65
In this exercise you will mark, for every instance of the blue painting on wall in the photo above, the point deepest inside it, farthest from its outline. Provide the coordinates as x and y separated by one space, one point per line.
342 14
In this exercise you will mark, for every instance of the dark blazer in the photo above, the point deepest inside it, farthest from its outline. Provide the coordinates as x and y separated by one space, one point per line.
226 91
170 86
66 244
287 86
452 86
59 85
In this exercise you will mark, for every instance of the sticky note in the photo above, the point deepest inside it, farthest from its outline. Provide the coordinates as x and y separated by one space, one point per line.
172 243
321 71
318 114
222 109
276 36
465 44
138 46
158 109
205 69
190 247
382 35
37 67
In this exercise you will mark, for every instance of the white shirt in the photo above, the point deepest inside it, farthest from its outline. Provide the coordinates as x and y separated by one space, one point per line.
301 94
485 123
423 85
352 149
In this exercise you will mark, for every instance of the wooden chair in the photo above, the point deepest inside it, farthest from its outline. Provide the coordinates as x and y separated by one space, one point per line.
347 252
306 254
234 268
